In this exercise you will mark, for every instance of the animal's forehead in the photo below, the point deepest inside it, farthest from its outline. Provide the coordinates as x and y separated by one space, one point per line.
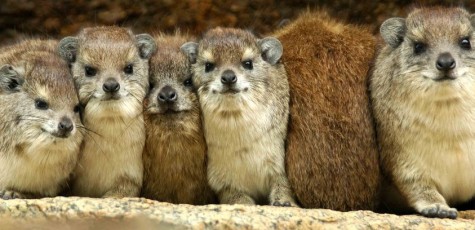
439 23
172 64
227 44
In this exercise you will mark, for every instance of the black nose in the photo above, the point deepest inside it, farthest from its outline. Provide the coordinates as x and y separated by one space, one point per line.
445 62
65 126
111 86
167 94
228 77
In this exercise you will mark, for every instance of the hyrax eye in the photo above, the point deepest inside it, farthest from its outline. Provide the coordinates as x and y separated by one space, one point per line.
465 43
90 71
419 47
77 108
247 64
188 82
209 67
129 69
151 86
41 104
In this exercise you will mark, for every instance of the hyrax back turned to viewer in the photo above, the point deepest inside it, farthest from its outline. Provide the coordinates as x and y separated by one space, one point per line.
243 92
40 127
175 149
110 69
332 157
424 103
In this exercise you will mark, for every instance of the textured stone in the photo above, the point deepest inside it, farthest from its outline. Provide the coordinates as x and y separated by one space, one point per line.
139 213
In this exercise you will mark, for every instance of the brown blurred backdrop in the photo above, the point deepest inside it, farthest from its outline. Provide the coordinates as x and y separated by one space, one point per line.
20 18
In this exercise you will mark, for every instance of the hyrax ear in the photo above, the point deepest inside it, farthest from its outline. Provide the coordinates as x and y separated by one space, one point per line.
10 80
393 31
146 45
68 48
191 50
271 49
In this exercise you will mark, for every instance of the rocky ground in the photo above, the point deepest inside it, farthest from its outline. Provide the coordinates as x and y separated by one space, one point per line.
20 18
138 213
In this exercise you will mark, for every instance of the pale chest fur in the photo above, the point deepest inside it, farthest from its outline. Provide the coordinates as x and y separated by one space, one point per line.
113 149
39 170
442 147
244 152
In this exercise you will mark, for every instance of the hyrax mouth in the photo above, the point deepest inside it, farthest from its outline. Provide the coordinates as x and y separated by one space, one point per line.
111 87
167 100
64 129
445 64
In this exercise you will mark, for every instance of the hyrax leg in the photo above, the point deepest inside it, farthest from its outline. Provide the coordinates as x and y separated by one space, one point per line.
425 198
281 194
10 194
125 186
232 196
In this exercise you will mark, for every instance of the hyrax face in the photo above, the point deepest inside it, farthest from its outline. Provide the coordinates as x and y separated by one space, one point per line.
110 67
171 86
47 109
232 67
433 50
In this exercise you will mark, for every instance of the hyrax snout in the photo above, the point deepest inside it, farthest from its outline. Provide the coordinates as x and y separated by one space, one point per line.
243 93
422 92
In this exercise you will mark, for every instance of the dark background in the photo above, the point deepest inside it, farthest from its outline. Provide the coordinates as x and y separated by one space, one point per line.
56 19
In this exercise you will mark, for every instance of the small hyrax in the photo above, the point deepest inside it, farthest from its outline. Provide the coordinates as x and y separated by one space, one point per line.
332 156
244 97
110 69
175 149
40 127
423 92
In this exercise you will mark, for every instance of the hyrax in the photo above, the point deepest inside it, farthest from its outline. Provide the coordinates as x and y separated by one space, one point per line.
175 149
332 157
423 96
244 97
110 69
40 127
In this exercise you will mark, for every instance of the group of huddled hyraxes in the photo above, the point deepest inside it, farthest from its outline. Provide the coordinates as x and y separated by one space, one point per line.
285 120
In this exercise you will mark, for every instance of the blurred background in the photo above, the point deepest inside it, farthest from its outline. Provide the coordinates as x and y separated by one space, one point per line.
59 18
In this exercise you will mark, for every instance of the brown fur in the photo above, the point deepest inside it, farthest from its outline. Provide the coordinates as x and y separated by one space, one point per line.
425 118
175 150
35 159
332 159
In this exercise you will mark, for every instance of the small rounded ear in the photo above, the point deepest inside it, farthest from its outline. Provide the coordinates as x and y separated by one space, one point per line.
10 80
191 50
393 31
146 45
68 48
271 49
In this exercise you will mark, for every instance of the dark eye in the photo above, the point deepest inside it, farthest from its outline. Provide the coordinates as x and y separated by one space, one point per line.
209 67
188 82
90 71
129 69
150 86
41 104
77 108
13 84
465 44
419 47
247 64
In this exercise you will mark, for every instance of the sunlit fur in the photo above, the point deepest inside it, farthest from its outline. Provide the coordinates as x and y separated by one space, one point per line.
111 162
33 161
426 128
244 129
175 148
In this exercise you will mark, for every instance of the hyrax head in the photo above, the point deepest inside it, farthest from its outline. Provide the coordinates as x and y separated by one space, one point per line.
171 86
233 64
432 46
46 104
109 64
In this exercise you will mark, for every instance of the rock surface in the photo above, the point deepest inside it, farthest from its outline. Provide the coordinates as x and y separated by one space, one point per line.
139 213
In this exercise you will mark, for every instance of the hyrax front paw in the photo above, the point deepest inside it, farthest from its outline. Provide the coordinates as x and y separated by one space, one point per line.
284 203
439 211
8 195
